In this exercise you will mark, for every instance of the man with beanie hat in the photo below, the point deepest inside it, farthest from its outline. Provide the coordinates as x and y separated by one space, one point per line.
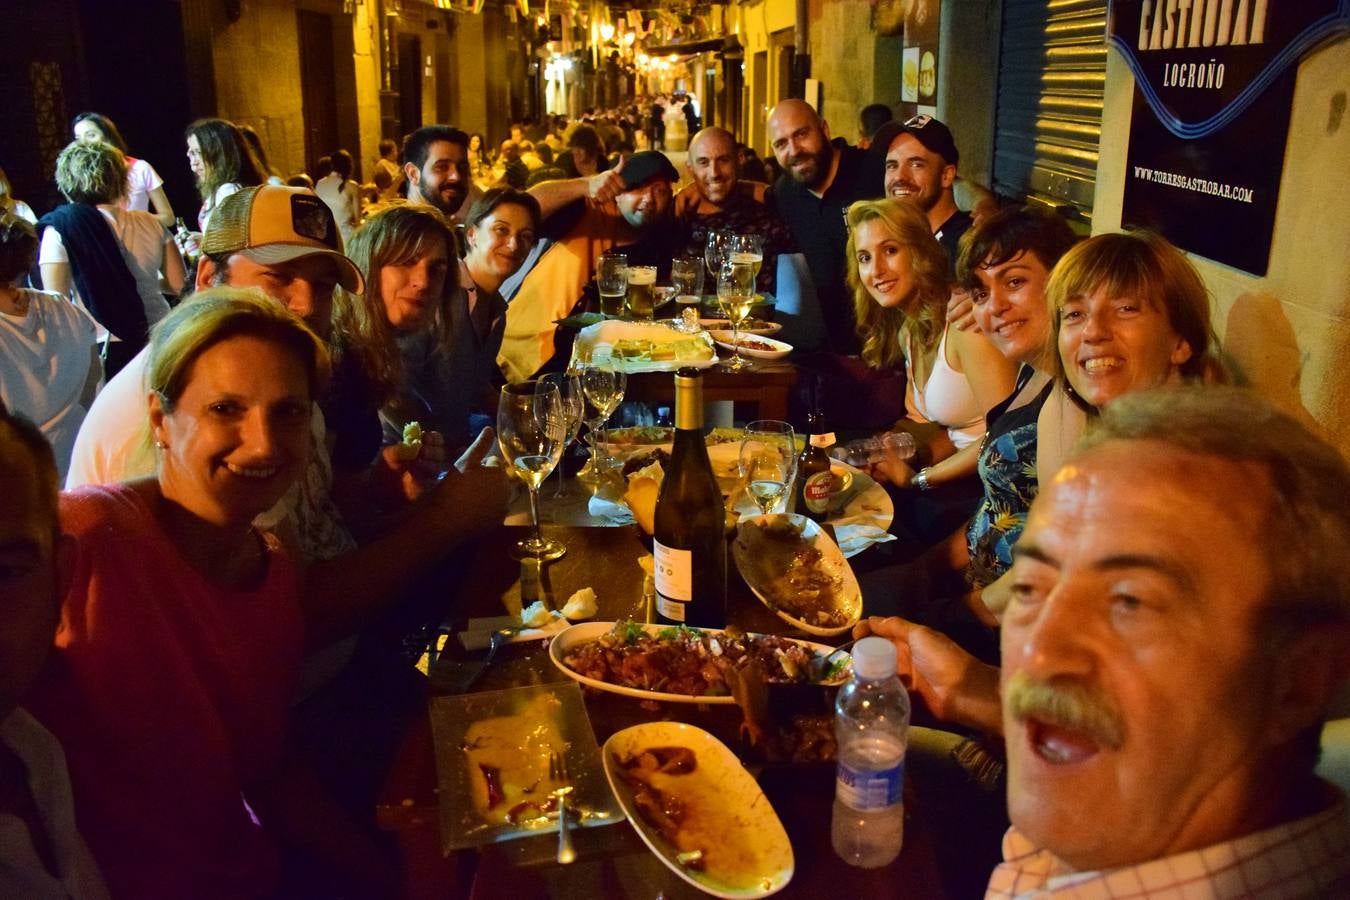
623 208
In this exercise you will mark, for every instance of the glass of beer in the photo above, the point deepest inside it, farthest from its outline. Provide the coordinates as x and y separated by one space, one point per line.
642 292
686 273
612 280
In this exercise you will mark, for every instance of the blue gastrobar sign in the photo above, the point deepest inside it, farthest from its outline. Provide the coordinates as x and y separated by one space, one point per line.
1214 81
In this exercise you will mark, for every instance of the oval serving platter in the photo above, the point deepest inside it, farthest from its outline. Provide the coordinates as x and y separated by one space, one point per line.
582 632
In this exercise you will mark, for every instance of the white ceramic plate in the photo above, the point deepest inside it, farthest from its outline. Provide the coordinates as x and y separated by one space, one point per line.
833 559
582 632
780 349
758 326
743 831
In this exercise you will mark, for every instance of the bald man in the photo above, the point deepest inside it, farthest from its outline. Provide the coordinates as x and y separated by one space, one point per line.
717 198
820 179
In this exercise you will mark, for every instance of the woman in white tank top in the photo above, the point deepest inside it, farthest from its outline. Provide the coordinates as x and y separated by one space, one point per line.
899 276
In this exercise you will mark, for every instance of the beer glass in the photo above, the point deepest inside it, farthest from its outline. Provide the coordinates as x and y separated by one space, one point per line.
642 292
612 280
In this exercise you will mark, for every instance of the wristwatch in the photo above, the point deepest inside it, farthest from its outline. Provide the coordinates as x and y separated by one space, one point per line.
921 480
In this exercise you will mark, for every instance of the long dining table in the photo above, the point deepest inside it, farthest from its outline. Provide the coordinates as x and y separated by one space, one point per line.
951 826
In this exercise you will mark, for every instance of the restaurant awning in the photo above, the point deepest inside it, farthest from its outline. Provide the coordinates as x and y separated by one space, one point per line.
704 46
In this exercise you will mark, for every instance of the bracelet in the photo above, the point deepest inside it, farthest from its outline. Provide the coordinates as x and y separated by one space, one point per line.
921 480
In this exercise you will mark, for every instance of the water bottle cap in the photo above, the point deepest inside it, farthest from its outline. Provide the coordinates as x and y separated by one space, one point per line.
873 657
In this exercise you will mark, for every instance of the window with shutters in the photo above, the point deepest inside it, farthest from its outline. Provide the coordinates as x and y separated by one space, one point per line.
1052 73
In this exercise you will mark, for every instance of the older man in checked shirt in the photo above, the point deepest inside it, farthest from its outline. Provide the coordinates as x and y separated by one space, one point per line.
1178 629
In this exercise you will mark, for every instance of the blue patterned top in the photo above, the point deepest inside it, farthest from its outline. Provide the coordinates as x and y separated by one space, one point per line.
1007 468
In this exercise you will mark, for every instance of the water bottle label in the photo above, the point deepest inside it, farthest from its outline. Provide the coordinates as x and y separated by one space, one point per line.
867 790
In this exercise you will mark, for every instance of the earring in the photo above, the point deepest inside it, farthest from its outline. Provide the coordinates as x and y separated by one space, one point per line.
160 445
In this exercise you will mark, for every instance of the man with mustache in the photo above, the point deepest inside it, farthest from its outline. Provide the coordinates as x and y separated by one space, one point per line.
1178 630
627 209
820 179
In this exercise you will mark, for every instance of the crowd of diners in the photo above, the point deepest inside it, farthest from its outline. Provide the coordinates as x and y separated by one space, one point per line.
1117 561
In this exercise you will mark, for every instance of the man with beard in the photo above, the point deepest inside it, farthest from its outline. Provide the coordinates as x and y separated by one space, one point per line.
584 217
820 179
921 159
1164 686
718 199
436 165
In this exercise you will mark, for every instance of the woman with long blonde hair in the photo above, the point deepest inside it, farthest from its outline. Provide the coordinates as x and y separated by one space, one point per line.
898 273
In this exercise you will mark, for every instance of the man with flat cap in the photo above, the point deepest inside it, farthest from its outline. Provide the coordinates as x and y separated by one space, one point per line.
625 207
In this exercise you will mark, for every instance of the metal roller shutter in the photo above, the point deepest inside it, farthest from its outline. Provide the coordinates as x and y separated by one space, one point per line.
1052 72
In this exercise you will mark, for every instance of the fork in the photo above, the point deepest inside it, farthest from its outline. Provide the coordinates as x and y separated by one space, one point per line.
557 772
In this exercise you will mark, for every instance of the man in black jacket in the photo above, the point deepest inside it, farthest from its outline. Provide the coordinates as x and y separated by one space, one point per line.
821 178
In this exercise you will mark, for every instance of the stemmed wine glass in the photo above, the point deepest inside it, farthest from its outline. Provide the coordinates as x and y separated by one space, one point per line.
531 429
768 462
716 250
747 249
736 295
603 388
573 408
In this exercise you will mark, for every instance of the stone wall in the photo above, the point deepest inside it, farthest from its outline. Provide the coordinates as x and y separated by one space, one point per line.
1289 332
257 78
854 64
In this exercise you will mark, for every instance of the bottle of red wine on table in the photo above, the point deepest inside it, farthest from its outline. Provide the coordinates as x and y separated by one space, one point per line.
690 545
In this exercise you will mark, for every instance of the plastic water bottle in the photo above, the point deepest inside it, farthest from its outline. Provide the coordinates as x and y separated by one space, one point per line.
872 725
859 452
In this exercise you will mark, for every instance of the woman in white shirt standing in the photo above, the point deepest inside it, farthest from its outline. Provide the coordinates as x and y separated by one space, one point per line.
48 367
144 186
78 260
222 162
341 194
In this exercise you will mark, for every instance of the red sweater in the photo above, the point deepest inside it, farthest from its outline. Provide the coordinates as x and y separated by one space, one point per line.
170 697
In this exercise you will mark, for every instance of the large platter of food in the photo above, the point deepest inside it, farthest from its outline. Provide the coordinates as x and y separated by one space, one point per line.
698 809
642 347
492 760
677 664
794 568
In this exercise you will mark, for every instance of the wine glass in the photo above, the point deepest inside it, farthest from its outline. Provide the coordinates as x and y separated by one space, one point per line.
530 430
768 462
573 408
736 295
603 388
716 250
747 249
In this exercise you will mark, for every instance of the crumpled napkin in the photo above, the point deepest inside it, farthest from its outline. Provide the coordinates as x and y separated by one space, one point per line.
479 631
613 512
854 538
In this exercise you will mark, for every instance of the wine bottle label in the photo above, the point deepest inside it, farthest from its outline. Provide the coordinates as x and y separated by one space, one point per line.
868 790
823 440
816 491
670 609
674 570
